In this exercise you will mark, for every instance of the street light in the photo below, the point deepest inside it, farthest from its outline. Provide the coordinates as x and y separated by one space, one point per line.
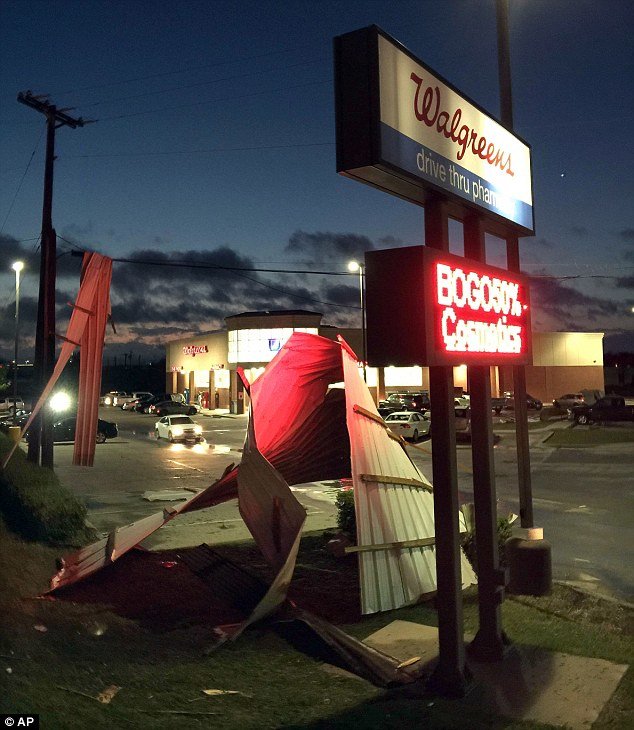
17 267
353 267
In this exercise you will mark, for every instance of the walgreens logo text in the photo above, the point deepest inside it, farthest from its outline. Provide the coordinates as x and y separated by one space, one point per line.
430 109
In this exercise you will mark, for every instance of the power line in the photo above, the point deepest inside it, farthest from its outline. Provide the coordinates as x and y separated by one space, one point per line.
237 271
199 83
211 151
180 71
28 164
211 101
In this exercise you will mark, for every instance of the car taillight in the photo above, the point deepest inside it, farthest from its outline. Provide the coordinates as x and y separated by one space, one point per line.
405 425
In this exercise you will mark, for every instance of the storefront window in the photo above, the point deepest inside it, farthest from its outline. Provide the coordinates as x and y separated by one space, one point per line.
260 345
221 378
395 377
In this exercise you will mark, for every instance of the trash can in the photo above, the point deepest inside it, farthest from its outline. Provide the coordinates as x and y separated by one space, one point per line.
15 433
530 563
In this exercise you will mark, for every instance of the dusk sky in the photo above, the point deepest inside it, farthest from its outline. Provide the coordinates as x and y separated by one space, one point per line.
215 144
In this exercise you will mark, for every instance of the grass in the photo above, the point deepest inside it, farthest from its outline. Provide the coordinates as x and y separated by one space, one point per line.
159 661
591 436
510 426
35 504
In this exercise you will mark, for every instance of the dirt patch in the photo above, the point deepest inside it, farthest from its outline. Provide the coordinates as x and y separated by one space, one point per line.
161 592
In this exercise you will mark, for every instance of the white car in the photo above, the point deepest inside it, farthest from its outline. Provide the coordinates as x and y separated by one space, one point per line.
109 398
9 404
178 428
125 402
409 424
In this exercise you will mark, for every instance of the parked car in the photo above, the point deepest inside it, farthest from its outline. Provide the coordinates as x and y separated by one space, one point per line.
608 408
122 400
9 403
64 430
178 428
393 401
127 403
416 402
498 404
143 406
532 403
167 407
568 400
109 398
7 420
409 424
463 420
402 401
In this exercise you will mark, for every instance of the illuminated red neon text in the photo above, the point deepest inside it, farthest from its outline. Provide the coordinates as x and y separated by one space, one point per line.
195 350
480 313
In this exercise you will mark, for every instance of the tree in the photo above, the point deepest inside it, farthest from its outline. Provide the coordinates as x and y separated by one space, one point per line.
5 382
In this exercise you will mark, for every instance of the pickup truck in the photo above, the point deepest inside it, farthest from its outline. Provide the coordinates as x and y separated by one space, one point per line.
608 408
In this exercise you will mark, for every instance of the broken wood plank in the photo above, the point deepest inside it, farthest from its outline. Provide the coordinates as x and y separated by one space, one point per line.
405 481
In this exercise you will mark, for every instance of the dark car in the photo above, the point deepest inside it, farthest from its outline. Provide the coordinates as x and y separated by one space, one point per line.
143 406
168 407
402 401
531 403
608 408
7 420
417 402
64 430
393 402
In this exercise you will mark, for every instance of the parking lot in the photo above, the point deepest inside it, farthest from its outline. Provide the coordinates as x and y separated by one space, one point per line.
583 497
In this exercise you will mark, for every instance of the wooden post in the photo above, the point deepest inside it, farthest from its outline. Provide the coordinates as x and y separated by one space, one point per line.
488 644
449 677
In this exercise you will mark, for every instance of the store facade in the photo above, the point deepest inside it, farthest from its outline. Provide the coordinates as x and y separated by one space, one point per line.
205 367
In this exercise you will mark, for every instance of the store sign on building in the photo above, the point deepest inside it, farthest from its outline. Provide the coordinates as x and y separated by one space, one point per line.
403 129
446 310
194 350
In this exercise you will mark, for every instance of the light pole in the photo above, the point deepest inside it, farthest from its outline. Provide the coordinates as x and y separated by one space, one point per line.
354 266
17 267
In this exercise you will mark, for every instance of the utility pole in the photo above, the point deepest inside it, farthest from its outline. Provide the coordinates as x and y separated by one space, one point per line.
41 443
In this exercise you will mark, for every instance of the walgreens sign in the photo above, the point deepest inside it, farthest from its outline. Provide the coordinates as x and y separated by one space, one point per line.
404 129
194 350
446 310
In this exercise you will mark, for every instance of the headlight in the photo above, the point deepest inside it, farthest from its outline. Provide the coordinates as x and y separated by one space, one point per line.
177 430
198 429
107 401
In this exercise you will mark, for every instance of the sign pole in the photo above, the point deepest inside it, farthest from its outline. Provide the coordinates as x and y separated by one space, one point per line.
449 678
513 264
488 644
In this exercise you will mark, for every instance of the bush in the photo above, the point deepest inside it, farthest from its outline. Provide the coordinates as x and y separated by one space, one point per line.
346 519
36 506
469 544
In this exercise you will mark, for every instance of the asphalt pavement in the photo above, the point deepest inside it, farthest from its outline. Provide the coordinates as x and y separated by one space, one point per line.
583 498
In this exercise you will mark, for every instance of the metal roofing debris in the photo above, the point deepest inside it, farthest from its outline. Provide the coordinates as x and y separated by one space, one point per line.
393 515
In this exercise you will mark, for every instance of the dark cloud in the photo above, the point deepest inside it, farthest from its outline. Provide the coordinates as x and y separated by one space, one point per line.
579 230
325 246
543 242
559 299
343 294
627 234
625 282
390 241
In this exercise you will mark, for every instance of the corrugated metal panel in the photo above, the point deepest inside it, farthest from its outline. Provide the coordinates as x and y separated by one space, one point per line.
388 512
89 560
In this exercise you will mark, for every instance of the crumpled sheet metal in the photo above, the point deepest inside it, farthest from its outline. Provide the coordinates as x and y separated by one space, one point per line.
305 446
387 512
